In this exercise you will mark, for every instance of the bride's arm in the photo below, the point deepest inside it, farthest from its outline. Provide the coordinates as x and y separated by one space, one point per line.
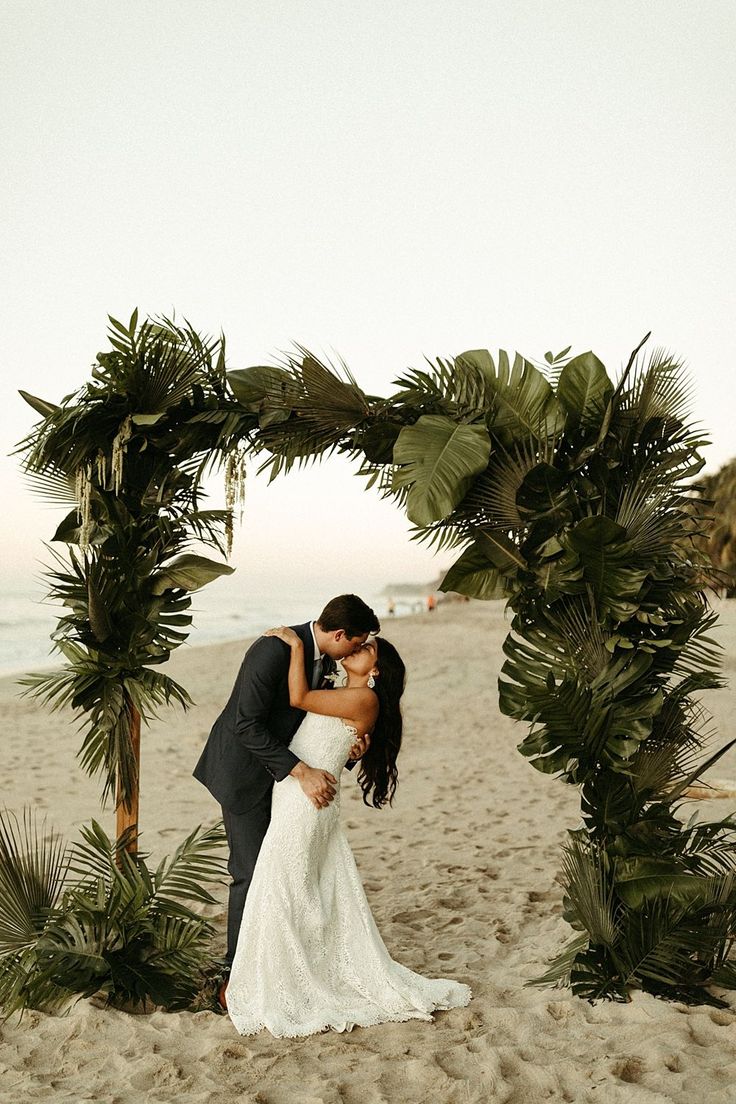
298 686
359 706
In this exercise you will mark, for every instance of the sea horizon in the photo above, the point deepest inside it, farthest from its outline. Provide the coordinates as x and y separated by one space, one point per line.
27 619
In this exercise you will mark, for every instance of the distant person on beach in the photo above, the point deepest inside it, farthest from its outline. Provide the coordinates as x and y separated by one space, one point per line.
391 606
431 603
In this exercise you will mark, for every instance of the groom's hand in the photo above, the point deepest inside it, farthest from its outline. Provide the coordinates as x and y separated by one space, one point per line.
318 785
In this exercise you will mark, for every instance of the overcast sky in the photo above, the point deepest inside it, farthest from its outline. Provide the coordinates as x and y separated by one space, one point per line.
387 180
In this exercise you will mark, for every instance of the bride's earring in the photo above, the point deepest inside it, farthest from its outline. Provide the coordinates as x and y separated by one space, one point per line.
371 682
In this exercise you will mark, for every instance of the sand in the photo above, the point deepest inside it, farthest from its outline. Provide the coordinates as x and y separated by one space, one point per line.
460 874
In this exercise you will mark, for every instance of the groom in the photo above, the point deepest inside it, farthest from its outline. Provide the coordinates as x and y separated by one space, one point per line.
247 749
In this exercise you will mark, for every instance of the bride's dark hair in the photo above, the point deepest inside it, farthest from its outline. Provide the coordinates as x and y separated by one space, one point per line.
378 771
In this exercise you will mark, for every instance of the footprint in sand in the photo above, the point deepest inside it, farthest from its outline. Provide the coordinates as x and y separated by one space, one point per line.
629 1069
502 933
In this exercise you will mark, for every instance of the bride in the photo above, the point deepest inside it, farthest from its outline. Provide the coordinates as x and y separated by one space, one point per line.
309 955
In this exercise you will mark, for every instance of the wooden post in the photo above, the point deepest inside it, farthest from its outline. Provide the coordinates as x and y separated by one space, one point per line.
127 815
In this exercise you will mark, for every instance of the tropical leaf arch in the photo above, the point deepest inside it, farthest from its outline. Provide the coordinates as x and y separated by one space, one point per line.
563 491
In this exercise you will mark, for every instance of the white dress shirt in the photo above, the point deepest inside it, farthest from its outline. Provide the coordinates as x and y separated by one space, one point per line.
318 657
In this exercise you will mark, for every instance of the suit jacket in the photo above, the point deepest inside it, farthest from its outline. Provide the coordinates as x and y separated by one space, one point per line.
246 751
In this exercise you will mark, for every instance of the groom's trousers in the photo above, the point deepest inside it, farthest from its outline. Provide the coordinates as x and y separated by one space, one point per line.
245 833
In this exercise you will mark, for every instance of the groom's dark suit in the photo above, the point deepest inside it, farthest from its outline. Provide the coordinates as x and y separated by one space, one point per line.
247 751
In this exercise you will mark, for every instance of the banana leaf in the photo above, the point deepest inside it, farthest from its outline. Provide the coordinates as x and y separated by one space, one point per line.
187 572
641 879
584 390
437 460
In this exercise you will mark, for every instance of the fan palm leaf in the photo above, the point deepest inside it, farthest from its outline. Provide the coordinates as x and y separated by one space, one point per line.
33 866
658 388
557 974
589 889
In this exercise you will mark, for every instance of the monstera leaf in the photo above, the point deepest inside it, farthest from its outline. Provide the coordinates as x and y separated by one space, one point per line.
525 404
502 552
605 554
437 460
188 572
474 575
70 530
544 493
584 390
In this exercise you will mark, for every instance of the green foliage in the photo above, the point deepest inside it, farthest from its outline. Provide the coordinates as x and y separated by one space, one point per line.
437 460
715 507
567 494
304 408
523 402
187 572
642 925
128 451
584 391
487 569
89 918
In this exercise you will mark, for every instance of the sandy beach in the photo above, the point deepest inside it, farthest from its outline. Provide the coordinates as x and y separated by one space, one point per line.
460 874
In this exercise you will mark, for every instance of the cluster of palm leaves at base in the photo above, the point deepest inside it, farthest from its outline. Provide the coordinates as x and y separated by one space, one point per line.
567 495
91 919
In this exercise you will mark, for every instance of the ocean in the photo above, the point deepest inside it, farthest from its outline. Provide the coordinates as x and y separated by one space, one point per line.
225 610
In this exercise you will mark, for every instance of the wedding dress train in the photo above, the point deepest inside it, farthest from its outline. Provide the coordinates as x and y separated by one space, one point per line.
309 954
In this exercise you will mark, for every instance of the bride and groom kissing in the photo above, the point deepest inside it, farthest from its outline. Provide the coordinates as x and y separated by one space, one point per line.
303 950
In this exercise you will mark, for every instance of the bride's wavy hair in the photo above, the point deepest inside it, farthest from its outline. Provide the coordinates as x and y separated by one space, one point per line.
378 771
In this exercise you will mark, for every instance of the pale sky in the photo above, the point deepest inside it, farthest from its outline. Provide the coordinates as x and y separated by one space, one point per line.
387 180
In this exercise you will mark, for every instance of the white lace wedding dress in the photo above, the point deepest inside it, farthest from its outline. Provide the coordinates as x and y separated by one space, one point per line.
309 954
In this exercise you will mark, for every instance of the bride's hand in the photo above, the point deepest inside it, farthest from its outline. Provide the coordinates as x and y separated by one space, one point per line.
360 746
286 634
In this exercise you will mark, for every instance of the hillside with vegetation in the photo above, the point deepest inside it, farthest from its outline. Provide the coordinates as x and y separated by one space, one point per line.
719 488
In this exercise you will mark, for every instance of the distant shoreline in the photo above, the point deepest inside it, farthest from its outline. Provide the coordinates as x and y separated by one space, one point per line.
7 677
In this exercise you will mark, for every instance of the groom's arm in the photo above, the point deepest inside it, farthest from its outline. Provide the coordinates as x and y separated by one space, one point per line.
260 676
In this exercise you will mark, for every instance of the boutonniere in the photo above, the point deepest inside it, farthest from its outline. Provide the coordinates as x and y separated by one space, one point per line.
336 678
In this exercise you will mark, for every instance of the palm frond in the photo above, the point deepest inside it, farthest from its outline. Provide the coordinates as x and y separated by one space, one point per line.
183 876
674 944
55 487
557 974
659 388
491 501
33 866
590 890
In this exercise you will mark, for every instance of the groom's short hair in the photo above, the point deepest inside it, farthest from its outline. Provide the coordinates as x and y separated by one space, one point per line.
349 613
